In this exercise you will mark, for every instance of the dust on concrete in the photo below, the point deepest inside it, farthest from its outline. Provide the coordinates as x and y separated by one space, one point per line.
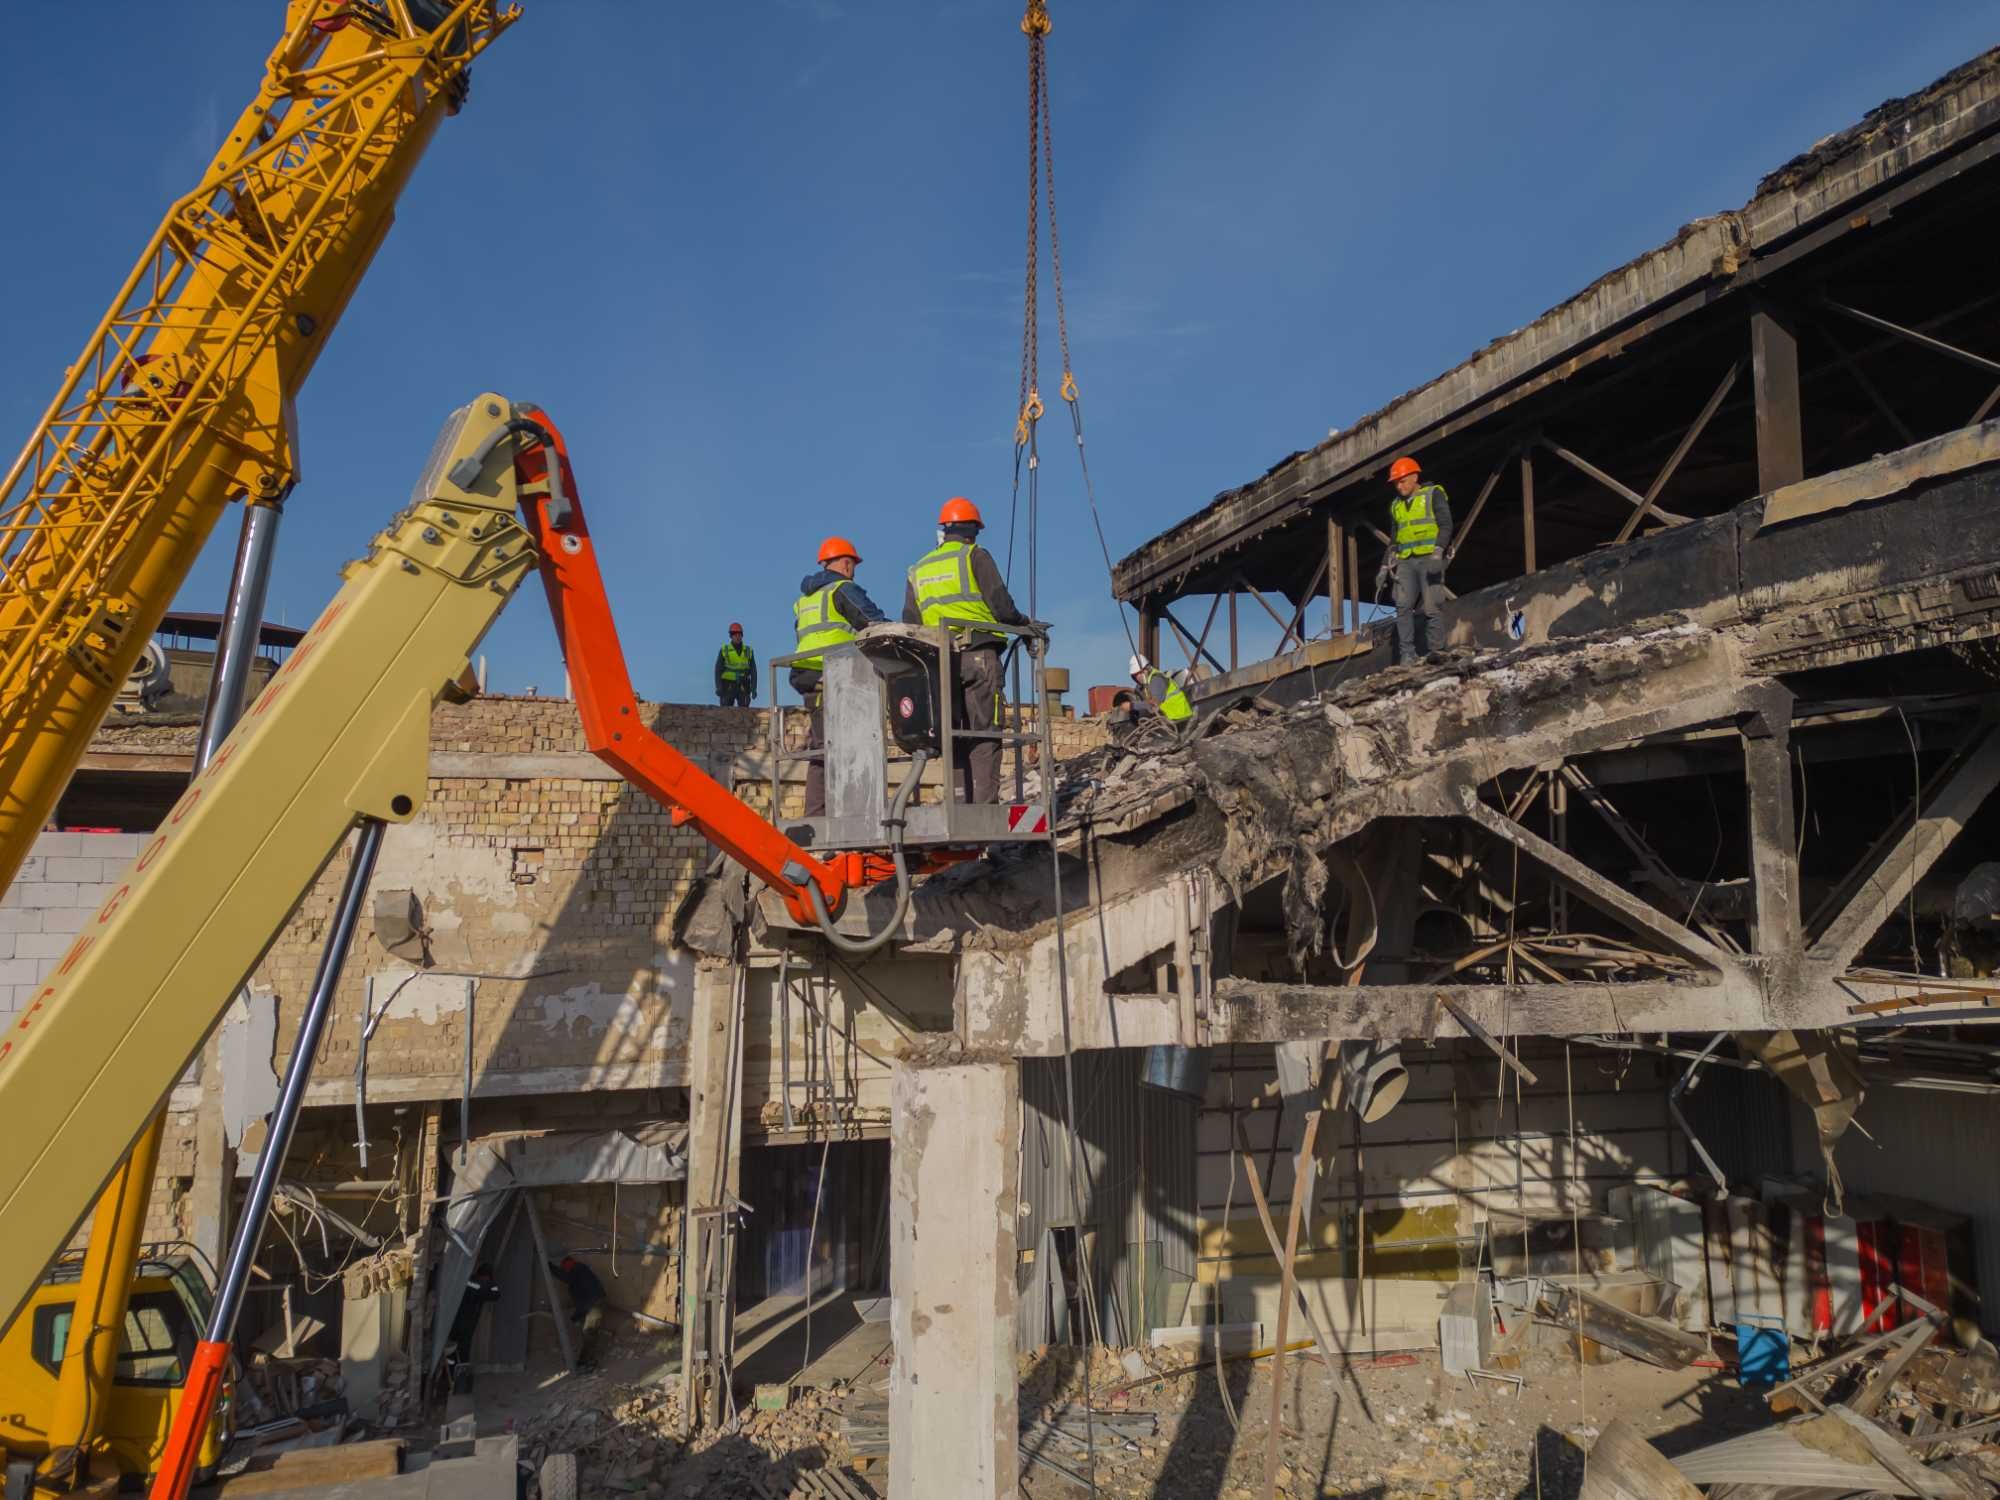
1406 1432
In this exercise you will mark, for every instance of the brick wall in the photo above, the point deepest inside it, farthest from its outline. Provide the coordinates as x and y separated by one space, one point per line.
65 879
538 871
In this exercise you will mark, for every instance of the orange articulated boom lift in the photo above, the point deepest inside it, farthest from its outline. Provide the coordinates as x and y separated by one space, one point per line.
609 709
339 740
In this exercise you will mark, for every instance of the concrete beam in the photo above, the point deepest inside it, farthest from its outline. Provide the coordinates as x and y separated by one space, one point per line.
1253 1011
955 1197
1010 999
1947 806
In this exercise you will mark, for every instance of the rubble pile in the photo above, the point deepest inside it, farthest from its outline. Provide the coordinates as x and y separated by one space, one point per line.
635 1441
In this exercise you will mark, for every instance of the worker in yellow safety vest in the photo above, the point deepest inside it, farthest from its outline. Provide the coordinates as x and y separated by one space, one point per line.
958 585
1419 541
831 608
735 671
1158 693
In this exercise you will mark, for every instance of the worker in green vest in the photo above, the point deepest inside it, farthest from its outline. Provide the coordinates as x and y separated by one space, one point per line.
1419 537
735 671
1158 694
958 585
831 608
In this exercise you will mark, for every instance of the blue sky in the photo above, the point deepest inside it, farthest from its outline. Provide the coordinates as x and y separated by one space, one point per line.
763 259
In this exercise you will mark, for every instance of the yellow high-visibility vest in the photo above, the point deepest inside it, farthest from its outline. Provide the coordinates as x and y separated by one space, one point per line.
819 625
1174 706
1416 522
946 592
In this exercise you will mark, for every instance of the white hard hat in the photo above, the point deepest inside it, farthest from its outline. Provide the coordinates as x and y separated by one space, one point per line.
1139 664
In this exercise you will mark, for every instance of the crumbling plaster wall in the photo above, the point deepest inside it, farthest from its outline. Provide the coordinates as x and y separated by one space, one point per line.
539 871
67 877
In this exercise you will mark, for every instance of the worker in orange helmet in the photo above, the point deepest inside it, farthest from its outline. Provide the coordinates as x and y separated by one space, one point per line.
958 585
735 671
831 609
1419 545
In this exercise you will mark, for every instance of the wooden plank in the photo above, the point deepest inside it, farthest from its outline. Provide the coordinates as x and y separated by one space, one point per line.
1464 528
1595 889
1336 586
1285 1285
1961 791
1774 355
1650 1339
303 1468
1480 1034
1527 513
1922 340
1673 463
128 762
1623 491
557 1308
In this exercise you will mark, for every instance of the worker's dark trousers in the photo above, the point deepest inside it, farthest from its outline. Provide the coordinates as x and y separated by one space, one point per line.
1416 595
734 694
977 772
806 685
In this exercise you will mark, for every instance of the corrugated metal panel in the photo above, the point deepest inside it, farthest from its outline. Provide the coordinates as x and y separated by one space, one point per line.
1137 1150
1931 1146
1743 1118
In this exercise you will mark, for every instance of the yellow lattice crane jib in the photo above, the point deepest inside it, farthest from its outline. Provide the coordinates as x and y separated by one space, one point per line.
182 398
181 401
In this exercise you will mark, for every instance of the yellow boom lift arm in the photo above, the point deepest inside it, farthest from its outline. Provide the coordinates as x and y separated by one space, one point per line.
181 401
341 734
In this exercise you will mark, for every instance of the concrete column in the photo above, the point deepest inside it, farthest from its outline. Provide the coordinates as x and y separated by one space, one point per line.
955 1194
715 1158
1767 769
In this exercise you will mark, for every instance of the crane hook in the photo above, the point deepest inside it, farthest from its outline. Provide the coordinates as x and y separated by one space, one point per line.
1036 21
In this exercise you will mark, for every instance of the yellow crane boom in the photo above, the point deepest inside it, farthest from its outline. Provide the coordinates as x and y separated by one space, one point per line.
182 398
340 735
181 401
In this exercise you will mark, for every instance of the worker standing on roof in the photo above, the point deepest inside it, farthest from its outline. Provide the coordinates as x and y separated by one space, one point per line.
1420 520
1158 694
958 585
831 608
735 671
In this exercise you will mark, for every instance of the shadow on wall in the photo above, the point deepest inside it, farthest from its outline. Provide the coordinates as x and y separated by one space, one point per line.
547 902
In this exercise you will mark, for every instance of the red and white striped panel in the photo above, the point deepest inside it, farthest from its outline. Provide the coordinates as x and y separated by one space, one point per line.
1027 817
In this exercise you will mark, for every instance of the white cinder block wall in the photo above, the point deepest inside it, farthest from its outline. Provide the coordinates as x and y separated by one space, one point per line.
61 884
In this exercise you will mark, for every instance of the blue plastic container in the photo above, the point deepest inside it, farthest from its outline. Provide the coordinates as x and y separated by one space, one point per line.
1763 1352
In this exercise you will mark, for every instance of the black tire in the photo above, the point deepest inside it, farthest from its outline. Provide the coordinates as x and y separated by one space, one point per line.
558 1477
20 1480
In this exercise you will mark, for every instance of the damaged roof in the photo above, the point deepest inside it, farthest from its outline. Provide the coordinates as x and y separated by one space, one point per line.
1833 177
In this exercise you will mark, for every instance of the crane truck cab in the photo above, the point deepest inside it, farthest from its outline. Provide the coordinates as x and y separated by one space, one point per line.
169 1304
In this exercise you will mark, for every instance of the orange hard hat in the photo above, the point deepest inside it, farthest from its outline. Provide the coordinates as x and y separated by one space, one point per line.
837 546
1403 468
959 509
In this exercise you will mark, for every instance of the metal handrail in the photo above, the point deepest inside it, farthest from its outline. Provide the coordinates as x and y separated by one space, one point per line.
949 644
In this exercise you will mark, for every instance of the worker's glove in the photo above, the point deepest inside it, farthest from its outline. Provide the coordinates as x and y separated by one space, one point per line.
1384 573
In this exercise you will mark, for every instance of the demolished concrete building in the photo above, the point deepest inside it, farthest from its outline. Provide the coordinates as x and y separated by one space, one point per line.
1703 777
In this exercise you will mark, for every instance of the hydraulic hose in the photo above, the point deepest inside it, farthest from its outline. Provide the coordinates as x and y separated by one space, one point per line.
860 947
